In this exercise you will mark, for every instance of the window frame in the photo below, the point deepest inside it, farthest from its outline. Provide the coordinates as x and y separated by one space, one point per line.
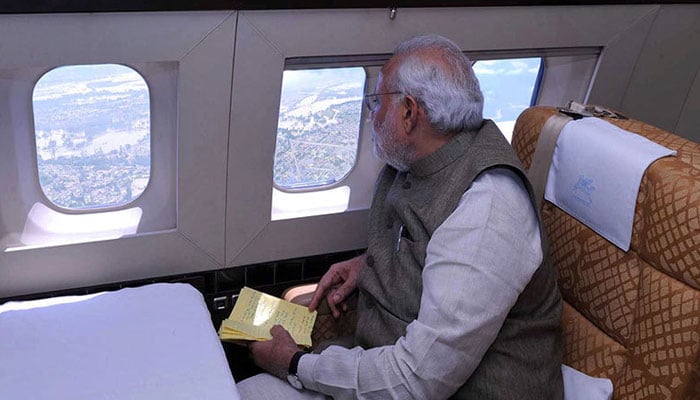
363 115
31 228
186 59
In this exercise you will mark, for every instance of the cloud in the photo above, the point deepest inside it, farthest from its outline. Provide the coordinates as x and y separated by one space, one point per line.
483 70
518 64
505 67
323 77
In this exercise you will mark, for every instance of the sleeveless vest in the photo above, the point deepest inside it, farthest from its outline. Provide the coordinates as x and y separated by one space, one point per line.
524 360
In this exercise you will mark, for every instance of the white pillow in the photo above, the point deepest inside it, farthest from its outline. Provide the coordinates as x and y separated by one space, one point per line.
579 386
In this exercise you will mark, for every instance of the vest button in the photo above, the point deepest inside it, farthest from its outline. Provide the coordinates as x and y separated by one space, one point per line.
389 224
407 185
370 261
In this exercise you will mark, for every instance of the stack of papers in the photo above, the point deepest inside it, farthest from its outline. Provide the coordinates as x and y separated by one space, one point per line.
255 313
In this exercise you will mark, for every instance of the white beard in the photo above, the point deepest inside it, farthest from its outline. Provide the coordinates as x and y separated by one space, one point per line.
396 154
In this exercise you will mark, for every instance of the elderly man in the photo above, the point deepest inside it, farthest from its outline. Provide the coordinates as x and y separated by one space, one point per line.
455 297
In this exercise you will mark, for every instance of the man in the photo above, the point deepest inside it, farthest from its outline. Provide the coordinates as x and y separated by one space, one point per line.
455 297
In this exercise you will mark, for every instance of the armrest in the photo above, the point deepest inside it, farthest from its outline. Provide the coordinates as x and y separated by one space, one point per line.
326 327
301 294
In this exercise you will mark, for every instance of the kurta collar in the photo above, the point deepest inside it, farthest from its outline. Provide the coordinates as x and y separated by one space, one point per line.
443 156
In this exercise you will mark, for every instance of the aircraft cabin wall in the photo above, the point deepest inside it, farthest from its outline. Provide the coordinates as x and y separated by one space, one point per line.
214 80
664 89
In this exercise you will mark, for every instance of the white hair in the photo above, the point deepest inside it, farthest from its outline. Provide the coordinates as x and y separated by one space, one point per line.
445 86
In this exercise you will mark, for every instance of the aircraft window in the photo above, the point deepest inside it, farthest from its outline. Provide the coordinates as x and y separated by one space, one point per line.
93 135
318 126
509 88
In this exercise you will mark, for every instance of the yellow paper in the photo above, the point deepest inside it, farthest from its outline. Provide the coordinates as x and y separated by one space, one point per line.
256 312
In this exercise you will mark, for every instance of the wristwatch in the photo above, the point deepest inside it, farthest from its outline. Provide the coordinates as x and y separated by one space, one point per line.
292 376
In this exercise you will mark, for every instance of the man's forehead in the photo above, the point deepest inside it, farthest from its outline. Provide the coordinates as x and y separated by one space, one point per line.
387 70
390 65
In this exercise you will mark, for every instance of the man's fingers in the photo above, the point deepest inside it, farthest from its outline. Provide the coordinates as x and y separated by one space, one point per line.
278 330
337 296
318 295
340 293
321 289
275 330
333 306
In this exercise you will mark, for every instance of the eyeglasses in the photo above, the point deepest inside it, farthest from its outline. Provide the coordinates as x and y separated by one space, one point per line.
372 102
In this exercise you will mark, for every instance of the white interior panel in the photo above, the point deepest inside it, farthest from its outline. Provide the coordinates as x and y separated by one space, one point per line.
689 122
38 40
136 257
186 58
566 78
205 91
265 39
617 62
666 68
340 232
257 81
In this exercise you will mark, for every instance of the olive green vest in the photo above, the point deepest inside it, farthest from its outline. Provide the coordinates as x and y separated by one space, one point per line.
524 360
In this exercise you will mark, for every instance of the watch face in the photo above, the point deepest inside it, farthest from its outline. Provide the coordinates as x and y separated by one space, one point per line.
294 381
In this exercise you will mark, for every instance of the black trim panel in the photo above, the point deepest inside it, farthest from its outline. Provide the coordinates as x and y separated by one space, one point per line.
90 6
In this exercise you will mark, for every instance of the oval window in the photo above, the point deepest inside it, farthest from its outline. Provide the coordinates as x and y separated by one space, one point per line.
93 135
318 126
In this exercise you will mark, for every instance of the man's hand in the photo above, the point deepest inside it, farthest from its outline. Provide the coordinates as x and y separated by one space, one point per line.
338 283
275 354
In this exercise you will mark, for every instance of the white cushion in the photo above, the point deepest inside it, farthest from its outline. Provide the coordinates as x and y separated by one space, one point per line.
146 343
579 386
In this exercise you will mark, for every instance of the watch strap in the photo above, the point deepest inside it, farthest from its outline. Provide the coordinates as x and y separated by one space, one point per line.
294 363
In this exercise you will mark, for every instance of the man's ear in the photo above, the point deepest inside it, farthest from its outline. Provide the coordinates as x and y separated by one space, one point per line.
410 113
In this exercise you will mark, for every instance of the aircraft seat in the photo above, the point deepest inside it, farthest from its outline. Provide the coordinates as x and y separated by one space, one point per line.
632 317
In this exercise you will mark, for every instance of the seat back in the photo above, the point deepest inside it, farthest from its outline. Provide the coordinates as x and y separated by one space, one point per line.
632 317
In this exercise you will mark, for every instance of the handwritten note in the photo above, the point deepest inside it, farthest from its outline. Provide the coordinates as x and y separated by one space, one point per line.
256 312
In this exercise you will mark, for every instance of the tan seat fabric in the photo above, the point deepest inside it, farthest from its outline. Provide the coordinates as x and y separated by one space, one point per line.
633 317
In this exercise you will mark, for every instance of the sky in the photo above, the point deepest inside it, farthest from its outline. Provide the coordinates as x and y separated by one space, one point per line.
507 84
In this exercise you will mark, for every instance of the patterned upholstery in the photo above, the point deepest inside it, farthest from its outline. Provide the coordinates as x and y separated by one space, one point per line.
633 317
